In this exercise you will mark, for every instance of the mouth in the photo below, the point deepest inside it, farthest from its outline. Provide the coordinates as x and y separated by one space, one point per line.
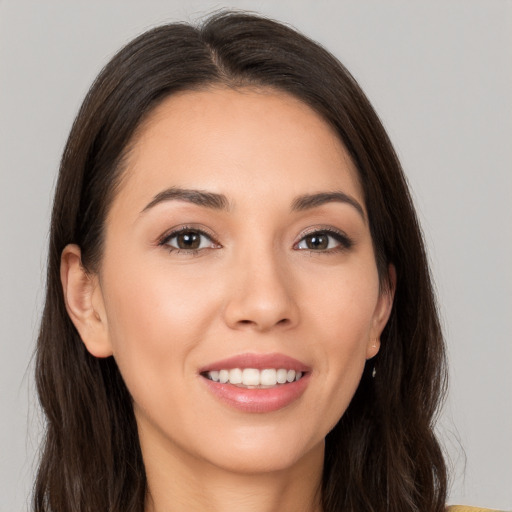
253 378
257 382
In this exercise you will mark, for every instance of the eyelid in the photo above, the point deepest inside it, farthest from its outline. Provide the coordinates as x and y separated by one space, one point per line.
176 230
345 242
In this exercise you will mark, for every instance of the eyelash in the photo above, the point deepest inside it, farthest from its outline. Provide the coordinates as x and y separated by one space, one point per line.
343 241
164 241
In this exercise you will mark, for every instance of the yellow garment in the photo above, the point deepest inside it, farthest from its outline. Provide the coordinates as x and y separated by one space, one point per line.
463 508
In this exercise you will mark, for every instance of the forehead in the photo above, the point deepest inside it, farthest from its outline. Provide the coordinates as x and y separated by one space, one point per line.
236 142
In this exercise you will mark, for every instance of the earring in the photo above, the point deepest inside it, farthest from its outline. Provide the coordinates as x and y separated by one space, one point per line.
375 342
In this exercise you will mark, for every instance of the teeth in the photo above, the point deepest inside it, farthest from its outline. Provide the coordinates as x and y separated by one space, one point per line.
235 376
268 377
251 377
281 376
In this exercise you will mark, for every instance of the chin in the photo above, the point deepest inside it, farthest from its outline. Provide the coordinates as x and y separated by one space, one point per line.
271 455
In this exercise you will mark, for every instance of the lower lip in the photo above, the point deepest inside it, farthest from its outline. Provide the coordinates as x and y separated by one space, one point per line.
258 400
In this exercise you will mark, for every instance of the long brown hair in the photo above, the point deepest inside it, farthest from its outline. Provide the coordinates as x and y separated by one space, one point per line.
382 455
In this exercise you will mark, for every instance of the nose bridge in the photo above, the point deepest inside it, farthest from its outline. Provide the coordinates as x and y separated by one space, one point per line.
261 289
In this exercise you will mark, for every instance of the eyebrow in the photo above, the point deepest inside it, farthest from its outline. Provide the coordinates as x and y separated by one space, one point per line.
309 201
199 197
220 201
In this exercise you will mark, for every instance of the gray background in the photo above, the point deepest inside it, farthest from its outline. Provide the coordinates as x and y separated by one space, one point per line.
440 75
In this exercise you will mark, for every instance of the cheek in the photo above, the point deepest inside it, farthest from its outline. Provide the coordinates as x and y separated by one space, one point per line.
344 305
156 302
342 314
155 321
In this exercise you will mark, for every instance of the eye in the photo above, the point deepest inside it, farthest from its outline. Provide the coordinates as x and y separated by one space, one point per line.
188 239
324 240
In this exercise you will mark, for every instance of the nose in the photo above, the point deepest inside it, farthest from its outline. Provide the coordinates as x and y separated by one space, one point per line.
262 294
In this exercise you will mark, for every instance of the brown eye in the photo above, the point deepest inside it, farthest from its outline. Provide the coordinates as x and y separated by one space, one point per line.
188 240
324 241
317 241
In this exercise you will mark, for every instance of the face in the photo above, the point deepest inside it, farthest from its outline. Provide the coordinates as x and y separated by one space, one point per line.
238 289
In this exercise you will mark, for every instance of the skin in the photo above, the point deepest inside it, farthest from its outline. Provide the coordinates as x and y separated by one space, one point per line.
254 287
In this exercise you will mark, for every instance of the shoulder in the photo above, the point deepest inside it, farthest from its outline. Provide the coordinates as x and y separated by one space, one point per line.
464 508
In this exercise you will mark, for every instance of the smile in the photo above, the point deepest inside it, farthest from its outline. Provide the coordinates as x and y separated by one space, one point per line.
257 383
253 378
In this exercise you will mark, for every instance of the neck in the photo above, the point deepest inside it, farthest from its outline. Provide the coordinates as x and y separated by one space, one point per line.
179 484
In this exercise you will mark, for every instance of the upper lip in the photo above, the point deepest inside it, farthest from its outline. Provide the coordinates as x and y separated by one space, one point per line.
257 361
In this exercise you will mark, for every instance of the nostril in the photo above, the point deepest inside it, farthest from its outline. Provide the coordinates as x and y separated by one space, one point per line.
282 322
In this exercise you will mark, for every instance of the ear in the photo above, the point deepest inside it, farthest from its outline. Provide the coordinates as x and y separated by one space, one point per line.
84 302
381 313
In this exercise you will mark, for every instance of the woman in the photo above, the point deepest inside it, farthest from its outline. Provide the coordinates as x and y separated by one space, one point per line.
239 313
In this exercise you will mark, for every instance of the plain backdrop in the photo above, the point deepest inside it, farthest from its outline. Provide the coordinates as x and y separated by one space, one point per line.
440 75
